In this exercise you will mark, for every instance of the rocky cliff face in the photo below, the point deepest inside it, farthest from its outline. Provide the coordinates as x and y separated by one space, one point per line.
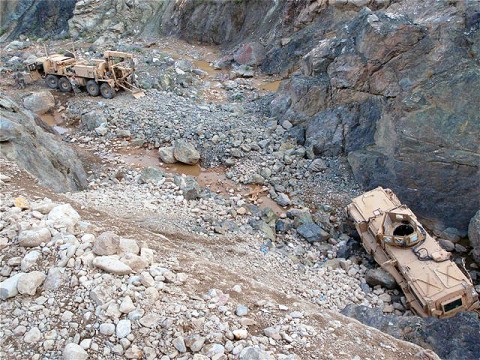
395 90
41 18
430 333
55 164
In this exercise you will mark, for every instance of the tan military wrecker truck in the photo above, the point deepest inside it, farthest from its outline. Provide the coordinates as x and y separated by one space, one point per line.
433 284
99 76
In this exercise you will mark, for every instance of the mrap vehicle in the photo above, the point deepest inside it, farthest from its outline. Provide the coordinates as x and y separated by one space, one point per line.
433 284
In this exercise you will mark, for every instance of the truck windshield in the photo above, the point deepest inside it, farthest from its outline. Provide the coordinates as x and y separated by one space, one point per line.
452 305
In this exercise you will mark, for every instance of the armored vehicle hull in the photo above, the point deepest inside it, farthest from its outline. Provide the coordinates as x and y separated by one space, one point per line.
433 284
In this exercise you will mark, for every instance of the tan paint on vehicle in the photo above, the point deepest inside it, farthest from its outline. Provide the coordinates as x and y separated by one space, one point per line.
116 69
433 284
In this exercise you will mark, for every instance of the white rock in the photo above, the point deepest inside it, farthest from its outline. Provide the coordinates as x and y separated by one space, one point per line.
64 216
107 243
67 316
56 277
101 294
179 344
113 311
3 242
30 260
32 336
147 255
240 334
200 357
74 352
129 246
146 279
134 352
124 328
44 207
256 353
86 343
8 287
28 283
150 320
112 265
107 329
135 262
32 238
127 305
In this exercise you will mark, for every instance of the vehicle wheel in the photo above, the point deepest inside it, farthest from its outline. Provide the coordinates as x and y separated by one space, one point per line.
69 54
92 88
107 91
51 81
64 85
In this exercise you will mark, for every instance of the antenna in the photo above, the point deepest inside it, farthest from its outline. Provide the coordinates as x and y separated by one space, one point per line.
45 48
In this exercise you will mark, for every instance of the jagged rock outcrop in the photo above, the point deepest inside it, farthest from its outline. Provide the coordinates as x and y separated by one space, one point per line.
51 161
41 18
452 338
212 21
111 19
395 91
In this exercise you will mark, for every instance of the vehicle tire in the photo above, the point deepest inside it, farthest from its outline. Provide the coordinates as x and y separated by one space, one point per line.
51 81
92 88
69 54
64 85
107 91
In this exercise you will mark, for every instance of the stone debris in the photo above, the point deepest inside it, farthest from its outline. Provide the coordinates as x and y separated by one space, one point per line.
96 306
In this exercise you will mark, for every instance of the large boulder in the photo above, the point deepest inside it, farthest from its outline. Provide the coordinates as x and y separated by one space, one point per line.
74 352
111 264
185 152
64 216
34 237
166 155
39 102
313 233
8 287
93 119
28 283
56 165
250 54
107 243
378 276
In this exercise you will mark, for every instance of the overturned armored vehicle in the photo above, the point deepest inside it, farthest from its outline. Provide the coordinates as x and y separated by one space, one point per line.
433 284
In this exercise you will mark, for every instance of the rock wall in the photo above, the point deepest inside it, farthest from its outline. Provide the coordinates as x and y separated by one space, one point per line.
452 338
112 18
211 21
40 18
52 162
395 90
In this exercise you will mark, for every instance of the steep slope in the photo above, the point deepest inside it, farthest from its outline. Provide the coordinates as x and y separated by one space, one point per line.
55 164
